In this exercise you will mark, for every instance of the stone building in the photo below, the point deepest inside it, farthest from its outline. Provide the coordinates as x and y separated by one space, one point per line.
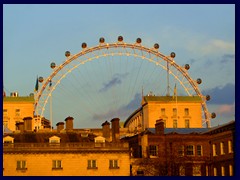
66 152
176 112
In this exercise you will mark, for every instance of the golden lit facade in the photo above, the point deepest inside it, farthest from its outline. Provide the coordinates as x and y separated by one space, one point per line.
15 109
176 112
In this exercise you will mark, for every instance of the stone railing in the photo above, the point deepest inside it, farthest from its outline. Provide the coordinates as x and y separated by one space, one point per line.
81 146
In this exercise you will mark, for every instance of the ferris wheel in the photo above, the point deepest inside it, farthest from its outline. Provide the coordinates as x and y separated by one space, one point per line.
121 49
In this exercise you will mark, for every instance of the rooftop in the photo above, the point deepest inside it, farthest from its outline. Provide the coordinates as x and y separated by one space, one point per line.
19 99
173 99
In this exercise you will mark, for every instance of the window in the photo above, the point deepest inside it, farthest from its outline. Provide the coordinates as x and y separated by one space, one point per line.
222 148
230 170
206 170
5 112
186 112
181 150
21 165
92 164
187 123
190 150
5 124
215 171
223 171
163 111
140 173
174 123
174 111
199 150
17 112
56 164
153 150
230 146
165 123
113 164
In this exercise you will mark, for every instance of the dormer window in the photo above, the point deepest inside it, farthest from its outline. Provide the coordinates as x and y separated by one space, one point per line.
8 140
99 141
54 140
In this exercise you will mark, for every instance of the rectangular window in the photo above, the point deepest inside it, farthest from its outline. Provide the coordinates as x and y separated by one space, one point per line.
174 123
186 112
230 146
165 123
163 111
199 150
187 123
56 164
92 164
223 171
215 171
113 164
206 170
214 150
230 170
181 150
190 150
21 165
17 112
222 148
5 112
174 111
153 150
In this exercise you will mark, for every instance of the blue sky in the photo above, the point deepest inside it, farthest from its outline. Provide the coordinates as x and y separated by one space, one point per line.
200 35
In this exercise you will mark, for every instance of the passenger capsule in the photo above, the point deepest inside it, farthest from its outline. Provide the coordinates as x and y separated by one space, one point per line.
139 40
101 40
187 66
173 55
120 38
156 46
213 115
84 45
67 53
199 81
208 97
53 65
40 79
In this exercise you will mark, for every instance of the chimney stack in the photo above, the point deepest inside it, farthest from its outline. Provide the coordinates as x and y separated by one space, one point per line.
106 130
69 123
60 126
28 123
159 127
115 129
20 126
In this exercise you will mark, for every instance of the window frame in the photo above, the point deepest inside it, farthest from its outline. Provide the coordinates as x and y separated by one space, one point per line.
21 165
188 151
57 164
92 164
199 150
153 150
113 164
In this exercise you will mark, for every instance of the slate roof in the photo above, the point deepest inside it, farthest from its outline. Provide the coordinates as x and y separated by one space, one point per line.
32 137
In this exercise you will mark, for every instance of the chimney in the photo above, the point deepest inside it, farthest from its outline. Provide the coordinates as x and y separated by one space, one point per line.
106 130
159 127
27 123
60 126
115 129
20 126
69 123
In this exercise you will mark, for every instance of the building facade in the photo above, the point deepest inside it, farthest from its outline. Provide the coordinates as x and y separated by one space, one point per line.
66 152
176 112
163 151
15 108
